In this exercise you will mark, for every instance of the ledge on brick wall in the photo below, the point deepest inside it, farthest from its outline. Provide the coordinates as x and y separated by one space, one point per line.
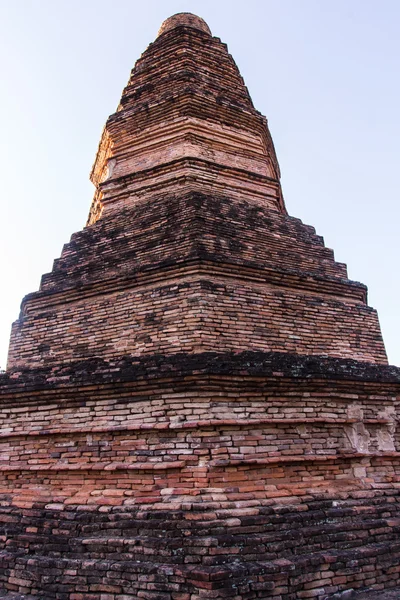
97 371
193 462
187 425
232 462
98 466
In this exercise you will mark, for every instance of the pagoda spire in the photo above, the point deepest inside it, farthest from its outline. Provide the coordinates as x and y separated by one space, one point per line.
185 119
197 403
186 19
189 247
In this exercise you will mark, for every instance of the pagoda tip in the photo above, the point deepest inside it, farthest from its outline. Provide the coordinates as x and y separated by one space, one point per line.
184 18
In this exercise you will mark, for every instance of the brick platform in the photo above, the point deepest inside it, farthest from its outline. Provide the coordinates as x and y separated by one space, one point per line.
393 594
197 403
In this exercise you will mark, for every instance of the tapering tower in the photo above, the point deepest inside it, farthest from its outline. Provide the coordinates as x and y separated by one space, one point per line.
185 121
197 402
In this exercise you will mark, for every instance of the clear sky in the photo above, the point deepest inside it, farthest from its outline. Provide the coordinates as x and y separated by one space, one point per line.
324 72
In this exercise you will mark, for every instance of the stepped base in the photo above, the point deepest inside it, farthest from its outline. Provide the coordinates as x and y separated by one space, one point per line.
200 477
314 549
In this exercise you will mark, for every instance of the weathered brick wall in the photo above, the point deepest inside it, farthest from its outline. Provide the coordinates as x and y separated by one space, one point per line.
199 477
195 273
175 230
268 437
194 314
142 555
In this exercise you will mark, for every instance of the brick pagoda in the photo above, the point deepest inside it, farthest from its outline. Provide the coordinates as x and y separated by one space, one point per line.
197 403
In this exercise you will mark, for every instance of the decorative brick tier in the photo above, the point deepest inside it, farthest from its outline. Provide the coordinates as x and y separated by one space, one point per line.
197 403
185 121
181 275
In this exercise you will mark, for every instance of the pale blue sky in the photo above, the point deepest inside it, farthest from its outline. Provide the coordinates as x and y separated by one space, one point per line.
324 72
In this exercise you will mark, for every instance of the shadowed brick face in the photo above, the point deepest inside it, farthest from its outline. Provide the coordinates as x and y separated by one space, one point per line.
197 403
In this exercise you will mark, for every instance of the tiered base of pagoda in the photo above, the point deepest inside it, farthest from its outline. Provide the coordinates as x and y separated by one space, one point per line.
204 476
312 548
